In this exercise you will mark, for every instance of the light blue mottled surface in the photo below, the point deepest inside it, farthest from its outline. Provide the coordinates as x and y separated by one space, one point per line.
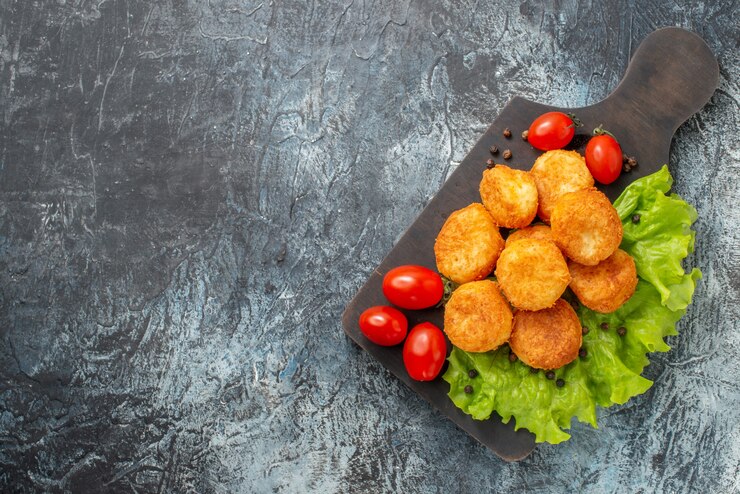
191 192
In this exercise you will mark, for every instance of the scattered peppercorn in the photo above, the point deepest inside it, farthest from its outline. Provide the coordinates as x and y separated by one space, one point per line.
490 164
550 375
472 373
512 357
533 370
559 383
507 132
622 331
525 135
635 218
582 353
493 150
507 154
468 389
605 326
629 162
584 330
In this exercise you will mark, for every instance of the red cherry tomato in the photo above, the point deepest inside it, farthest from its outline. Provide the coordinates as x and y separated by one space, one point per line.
384 325
412 287
424 352
604 158
552 130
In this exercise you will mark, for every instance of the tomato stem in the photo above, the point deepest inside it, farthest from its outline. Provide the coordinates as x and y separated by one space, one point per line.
600 131
576 121
449 287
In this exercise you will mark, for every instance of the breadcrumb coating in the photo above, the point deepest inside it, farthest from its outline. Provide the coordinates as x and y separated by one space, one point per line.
556 173
532 273
586 226
546 339
606 286
468 245
509 195
477 317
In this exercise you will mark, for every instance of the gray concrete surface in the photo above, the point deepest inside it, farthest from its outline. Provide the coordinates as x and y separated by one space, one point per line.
191 191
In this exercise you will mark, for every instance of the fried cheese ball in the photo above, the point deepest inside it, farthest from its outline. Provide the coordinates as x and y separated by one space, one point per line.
532 273
546 339
509 195
535 231
586 226
606 286
468 245
556 173
477 317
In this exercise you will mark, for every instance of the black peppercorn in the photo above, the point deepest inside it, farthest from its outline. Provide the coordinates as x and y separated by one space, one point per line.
512 357
626 168
582 353
507 132
525 135
622 331
493 150
490 164
507 154
604 326
472 373
584 330
468 389
635 218
560 383
533 370
550 375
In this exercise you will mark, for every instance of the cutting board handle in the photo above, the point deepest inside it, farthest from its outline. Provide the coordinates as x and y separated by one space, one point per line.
671 76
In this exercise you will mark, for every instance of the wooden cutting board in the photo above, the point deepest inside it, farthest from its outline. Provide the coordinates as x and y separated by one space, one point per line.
670 77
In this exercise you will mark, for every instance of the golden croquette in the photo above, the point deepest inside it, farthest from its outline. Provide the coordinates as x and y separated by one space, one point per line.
586 226
468 245
606 286
546 339
509 195
532 273
477 318
556 173
535 231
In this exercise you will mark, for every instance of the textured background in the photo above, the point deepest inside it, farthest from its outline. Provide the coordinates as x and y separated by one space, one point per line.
191 192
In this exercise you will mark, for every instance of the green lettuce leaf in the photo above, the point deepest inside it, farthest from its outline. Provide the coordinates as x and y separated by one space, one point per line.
610 373
661 238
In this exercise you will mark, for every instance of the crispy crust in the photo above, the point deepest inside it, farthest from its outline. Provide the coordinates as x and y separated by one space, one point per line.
477 317
586 226
468 245
556 173
546 339
509 195
532 273
606 286
535 231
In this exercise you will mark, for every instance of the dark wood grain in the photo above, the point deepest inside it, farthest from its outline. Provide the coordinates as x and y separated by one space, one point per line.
671 76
